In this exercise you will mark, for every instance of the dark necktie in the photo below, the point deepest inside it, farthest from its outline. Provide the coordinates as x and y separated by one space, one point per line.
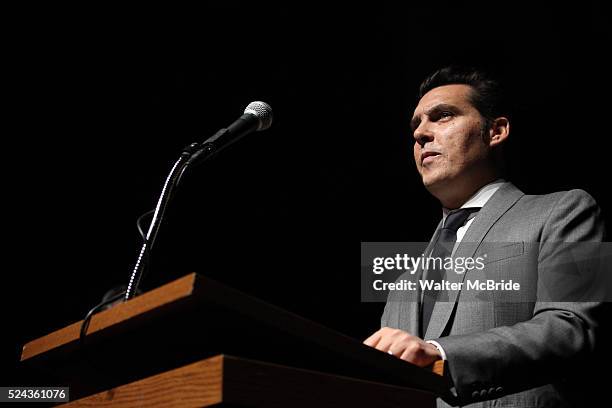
442 249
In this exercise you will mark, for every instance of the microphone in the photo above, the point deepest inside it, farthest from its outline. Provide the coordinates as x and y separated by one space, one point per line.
257 116
256 113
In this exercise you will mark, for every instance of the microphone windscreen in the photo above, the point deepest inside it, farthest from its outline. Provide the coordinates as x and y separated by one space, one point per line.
262 111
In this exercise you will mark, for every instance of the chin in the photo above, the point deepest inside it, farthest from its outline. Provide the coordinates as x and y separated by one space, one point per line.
433 182
430 179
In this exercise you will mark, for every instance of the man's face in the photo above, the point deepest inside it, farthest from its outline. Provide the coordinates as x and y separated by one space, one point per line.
449 144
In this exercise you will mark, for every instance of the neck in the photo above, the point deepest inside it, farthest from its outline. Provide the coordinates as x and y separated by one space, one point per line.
459 191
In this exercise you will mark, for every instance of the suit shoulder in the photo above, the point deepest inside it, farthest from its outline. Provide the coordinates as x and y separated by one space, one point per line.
559 208
567 216
578 197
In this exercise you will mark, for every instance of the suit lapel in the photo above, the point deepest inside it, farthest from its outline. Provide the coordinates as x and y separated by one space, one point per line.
498 204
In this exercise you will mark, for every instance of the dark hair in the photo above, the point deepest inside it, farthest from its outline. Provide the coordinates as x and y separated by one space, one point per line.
487 95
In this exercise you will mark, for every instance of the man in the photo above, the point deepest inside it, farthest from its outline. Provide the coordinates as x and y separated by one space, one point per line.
516 354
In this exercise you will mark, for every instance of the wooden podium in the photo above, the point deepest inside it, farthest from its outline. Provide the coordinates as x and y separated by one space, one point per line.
196 343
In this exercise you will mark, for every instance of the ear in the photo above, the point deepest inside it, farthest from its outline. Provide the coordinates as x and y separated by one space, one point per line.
499 131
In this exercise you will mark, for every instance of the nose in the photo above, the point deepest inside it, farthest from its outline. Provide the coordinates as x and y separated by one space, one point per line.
422 134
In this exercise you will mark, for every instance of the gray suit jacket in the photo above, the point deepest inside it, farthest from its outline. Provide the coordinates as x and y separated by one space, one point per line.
512 354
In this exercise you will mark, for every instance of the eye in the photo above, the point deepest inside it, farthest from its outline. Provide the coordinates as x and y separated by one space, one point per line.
441 115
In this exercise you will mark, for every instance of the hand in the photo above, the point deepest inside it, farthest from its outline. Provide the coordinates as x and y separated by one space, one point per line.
405 346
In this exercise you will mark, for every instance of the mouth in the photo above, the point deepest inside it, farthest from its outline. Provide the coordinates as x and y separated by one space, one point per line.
428 157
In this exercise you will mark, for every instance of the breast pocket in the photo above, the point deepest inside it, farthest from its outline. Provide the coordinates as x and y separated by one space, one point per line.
509 270
498 251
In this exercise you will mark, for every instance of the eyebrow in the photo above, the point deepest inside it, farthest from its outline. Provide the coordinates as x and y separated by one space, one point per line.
414 123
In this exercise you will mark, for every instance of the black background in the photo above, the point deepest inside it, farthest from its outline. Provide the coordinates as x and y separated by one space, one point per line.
101 100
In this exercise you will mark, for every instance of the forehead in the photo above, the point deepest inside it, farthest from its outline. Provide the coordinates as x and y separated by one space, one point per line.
455 94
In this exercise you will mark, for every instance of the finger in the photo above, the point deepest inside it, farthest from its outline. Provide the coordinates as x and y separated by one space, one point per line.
416 356
408 355
373 340
387 345
390 347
